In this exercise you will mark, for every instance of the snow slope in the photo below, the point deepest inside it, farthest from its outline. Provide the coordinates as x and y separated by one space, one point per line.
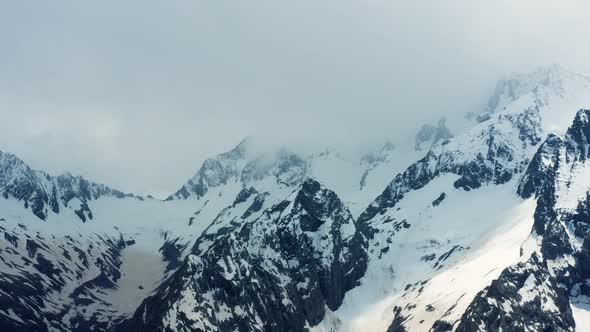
416 235
440 260
400 289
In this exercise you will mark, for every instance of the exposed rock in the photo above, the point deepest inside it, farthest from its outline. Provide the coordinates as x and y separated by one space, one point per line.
499 153
276 273
534 298
43 193
429 135
439 199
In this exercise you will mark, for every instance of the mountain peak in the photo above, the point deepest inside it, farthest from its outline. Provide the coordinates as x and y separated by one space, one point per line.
553 79
12 167
244 165
43 192
582 117
240 150
578 136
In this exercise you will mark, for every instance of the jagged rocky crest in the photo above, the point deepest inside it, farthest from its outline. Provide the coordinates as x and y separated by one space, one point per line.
536 293
271 249
42 192
275 273
549 79
491 153
238 165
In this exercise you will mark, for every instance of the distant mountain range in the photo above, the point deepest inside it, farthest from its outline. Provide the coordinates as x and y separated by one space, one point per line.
483 229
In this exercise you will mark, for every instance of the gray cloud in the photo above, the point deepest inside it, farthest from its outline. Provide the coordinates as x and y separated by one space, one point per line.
138 93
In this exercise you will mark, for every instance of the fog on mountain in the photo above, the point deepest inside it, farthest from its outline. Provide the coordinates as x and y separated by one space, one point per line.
294 167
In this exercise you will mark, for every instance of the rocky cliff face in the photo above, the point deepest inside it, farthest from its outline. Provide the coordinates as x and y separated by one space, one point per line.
241 166
277 272
49 283
507 149
259 242
43 193
537 292
493 152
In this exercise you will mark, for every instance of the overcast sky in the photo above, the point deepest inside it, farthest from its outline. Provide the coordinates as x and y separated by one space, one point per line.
138 93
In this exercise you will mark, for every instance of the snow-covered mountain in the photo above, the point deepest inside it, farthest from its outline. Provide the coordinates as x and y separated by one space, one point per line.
480 230
42 192
278 270
357 178
467 217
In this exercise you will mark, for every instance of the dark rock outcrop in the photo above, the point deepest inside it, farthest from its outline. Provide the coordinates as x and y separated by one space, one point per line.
276 273
534 296
536 293
42 192
429 135
499 157
51 283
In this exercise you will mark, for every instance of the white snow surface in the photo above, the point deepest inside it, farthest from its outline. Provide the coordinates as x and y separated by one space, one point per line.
557 92
481 231
490 224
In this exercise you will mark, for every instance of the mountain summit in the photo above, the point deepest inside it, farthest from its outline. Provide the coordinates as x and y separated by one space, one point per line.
484 229
43 193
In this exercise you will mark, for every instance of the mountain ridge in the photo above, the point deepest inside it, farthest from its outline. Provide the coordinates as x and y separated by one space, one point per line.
42 191
320 242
